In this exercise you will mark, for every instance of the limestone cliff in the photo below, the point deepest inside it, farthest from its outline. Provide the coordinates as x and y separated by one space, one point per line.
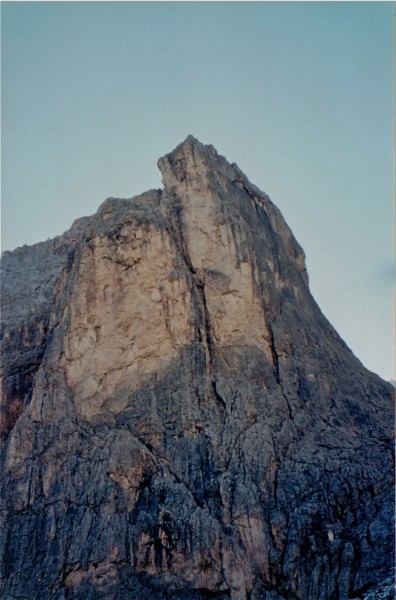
180 420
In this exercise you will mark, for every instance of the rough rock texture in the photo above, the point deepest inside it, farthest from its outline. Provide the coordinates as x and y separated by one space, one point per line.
384 591
181 421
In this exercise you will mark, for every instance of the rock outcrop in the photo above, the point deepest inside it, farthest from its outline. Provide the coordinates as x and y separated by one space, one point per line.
180 420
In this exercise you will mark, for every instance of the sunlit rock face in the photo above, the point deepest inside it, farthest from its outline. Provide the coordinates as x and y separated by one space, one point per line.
180 420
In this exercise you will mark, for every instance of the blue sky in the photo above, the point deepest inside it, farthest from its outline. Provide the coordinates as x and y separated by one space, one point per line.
299 95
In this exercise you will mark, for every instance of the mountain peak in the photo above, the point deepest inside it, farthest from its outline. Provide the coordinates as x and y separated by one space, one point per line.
192 140
191 161
188 158
181 419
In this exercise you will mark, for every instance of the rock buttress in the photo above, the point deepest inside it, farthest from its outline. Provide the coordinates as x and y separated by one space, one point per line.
195 428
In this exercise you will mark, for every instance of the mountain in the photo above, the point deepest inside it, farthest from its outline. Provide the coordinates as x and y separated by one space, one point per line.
179 418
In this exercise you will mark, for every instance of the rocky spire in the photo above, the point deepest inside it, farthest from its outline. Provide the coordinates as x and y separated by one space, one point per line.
180 418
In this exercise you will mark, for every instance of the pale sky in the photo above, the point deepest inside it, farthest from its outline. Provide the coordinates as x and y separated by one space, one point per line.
299 95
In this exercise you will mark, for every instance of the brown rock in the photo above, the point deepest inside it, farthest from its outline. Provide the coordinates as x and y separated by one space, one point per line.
182 420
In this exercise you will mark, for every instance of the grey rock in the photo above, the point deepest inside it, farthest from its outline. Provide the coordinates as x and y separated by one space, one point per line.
181 421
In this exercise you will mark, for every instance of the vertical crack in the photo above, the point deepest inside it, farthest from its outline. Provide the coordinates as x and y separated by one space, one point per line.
204 329
275 357
275 360
217 395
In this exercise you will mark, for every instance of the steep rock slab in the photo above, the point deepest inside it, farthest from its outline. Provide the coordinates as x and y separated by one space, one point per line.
195 427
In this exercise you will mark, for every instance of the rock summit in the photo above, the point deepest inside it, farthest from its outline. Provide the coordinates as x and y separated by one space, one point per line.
179 418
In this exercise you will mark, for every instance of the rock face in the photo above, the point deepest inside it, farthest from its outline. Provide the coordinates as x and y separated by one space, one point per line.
180 420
